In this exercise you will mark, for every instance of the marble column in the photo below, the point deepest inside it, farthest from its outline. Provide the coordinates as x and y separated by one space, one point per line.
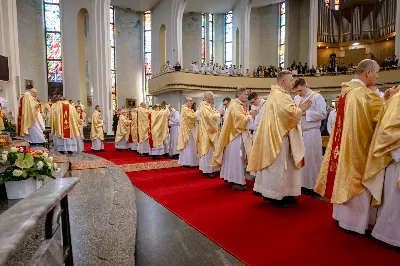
100 59
313 32
10 90
397 38
241 21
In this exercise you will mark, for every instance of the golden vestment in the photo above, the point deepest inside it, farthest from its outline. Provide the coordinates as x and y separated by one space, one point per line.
133 129
142 124
2 127
27 114
279 117
159 127
123 128
96 130
208 129
346 156
386 138
187 123
67 120
235 123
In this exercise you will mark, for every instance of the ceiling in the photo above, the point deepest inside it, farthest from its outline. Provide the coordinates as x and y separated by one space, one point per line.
206 6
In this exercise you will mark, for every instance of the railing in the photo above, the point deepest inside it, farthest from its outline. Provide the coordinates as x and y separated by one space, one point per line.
17 222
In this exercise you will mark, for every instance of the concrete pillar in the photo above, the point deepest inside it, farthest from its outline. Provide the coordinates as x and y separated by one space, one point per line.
241 22
397 38
12 89
313 32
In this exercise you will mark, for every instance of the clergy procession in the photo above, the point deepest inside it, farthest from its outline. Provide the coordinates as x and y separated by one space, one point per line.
277 141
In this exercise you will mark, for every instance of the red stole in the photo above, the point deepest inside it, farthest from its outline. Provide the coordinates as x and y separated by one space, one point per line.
19 117
81 116
335 151
150 136
65 119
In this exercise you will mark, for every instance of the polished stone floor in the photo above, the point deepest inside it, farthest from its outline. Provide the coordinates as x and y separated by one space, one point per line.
165 239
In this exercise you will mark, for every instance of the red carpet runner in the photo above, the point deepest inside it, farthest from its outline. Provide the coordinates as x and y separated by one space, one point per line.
122 157
254 231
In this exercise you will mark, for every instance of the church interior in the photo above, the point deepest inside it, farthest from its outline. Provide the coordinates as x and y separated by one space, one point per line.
213 132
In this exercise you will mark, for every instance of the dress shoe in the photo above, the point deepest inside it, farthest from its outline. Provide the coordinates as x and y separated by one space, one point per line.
118 150
290 200
278 203
258 194
239 187
70 152
155 157
209 175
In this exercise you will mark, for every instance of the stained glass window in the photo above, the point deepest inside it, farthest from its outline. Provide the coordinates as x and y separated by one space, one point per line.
113 71
336 4
53 40
328 3
211 36
147 55
282 23
228 38
203 38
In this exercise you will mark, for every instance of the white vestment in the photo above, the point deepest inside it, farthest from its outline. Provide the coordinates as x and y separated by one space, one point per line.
65 144
159 150
253 124
281 178
311 124
205 163
387 227
188 155
331 121
80 144
122 144
97 145
35 134
232 169
133 146
144 147
173 133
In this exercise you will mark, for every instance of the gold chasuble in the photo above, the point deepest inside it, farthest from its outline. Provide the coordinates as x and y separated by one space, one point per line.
123 128
159 127
280 117
96 130
142 124
133 134
187 123
386 138
235 123
2 115
27 114
54 118
68 127
346 154
208 129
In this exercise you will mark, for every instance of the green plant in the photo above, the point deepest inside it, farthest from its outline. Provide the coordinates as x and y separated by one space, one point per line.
23 164
8 125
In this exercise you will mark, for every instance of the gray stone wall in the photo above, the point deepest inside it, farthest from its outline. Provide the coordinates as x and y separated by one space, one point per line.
191 39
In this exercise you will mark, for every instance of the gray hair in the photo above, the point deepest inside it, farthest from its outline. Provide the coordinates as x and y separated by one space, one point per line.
365 66
239 91
282 75
187 99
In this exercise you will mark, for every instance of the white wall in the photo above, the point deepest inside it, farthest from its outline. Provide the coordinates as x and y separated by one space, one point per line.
129 55
191 39
9 47
32 45
264 30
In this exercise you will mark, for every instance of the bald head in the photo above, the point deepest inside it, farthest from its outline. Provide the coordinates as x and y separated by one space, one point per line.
367 71
209 97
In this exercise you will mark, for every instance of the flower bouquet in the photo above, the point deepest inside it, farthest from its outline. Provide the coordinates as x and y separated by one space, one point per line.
25 170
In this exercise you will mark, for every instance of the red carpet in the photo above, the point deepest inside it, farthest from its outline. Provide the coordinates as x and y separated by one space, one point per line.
122 157
254 231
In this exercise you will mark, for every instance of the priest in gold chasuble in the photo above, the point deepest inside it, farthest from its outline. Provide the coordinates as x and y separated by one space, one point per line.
133 137
123 129
382 173
278 149
66 129
158 131
81 121
143 125
28 125
207 135
97 131
234 143
346 154
187 135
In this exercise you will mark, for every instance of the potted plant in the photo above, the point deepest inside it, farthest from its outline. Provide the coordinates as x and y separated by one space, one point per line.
25 170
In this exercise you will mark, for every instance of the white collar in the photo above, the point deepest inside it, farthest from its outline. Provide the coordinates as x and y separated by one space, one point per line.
360 81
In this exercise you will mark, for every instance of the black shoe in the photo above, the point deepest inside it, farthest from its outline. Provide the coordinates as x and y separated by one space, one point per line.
186 166
239 187
166 154
155 157
62 152
290 200
209 175
118 150
176 156
70 152
142 155
258 194
102 150
278 203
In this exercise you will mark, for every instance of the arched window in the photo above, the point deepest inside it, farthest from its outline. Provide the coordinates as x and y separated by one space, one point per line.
228 37
282 23
53 44
147 54
113 72
203 38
